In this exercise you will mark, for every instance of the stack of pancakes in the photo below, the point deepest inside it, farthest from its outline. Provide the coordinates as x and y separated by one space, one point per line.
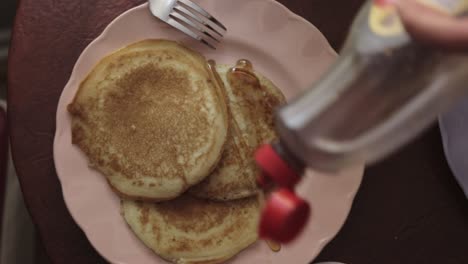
174 136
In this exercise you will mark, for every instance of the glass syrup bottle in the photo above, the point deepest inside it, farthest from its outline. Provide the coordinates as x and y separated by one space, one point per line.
384 89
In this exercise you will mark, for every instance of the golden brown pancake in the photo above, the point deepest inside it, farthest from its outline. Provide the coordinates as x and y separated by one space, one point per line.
252 100
191 230
151 119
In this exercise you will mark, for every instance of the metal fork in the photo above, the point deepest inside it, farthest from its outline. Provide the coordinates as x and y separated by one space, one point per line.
189 18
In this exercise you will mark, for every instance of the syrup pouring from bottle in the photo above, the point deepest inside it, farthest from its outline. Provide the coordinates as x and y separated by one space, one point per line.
383 90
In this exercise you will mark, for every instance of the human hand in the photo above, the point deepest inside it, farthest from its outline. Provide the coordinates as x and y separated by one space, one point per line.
433 27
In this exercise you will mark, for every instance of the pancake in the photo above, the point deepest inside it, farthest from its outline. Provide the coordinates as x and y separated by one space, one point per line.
151 118
252 100
190 230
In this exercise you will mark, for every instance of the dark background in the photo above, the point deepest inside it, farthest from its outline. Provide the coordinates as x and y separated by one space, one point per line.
7 14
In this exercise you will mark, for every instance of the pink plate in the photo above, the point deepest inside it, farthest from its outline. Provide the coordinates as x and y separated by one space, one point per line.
282 46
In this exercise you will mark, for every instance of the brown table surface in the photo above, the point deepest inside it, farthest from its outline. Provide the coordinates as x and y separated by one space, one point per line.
408 210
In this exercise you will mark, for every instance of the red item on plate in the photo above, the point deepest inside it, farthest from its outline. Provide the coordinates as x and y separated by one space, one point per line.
284 216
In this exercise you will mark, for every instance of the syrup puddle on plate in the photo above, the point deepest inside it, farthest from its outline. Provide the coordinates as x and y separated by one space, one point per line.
274 246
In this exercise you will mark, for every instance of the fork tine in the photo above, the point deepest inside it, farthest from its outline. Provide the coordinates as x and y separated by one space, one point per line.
190 25
191 19
201 11
187 21
173 21
206 22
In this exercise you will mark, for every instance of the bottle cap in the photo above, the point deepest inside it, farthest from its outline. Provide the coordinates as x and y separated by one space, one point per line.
283 217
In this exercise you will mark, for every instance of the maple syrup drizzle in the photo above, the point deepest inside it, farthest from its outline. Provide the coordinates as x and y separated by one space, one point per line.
245 64
219 84
274 246
215 75
242 77
243 73
246 85
212 67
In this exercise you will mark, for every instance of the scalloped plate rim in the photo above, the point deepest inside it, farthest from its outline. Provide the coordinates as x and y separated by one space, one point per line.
322 243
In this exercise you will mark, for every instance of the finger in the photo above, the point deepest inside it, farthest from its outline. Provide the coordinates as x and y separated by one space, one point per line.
433 27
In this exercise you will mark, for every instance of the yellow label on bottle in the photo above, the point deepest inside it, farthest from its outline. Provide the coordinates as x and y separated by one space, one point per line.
451 7
384 20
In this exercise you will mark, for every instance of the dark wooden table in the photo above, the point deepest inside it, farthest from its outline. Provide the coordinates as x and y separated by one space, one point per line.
409 209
